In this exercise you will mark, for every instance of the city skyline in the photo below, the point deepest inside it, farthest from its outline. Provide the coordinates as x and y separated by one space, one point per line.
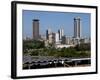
55 21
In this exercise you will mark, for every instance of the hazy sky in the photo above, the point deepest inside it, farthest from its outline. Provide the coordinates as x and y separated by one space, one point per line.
55 21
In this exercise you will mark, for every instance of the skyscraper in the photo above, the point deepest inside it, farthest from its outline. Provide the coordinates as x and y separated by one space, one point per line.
61 33
48 31
77 27
35 29
47 35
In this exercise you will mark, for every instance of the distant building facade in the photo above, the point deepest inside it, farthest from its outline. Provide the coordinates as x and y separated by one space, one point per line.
61 33
57 41
51 37
63 41
77 27
48 31
47 35
36 29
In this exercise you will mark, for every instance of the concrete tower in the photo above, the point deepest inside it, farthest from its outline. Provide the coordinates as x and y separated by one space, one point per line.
61 33
47 35
35 29
48 31
77 27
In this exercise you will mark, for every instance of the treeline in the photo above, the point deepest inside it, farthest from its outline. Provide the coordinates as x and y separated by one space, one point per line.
83 47
39 49
33 44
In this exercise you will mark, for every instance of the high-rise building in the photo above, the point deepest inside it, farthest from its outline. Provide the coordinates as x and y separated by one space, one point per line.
35 29
61 33
48 31
77 27
47 35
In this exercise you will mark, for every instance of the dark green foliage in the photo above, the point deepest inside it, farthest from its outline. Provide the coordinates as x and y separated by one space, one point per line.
83 47
33 44
34 53
37 48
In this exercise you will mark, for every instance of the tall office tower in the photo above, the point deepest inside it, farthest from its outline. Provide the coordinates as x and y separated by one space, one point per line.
47 35
77 27
61 33
48 31
35 29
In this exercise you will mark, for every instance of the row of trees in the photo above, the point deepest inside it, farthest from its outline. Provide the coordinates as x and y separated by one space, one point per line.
39 49
32 44
83 47
64 52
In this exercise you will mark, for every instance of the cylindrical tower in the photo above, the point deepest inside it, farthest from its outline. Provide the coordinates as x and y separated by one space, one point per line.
35 29
77 27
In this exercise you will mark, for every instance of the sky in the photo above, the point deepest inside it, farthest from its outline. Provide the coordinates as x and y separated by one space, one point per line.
55 21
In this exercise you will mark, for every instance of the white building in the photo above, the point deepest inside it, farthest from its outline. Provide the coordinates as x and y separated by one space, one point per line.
63 46
57 38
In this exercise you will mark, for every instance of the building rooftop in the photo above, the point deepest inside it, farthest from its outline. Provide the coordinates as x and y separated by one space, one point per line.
35 19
